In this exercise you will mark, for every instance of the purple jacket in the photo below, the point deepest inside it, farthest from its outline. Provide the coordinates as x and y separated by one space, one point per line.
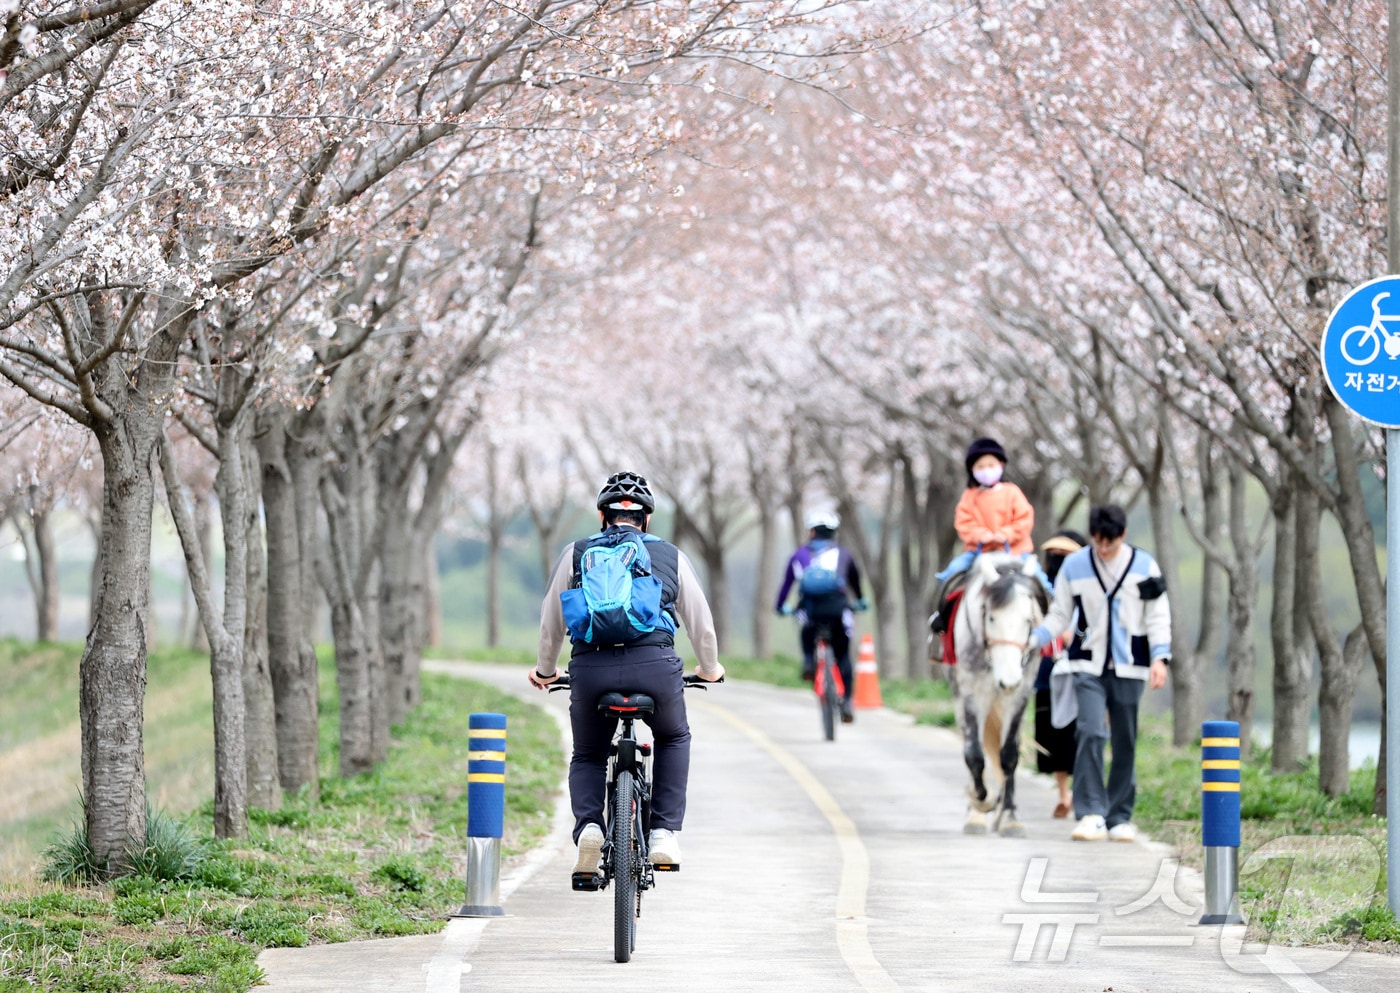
802 558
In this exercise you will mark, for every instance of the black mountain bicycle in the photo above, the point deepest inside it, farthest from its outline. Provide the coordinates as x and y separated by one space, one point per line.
625 863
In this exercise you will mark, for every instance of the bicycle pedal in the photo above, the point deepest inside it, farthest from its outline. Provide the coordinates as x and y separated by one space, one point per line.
587 881
666 866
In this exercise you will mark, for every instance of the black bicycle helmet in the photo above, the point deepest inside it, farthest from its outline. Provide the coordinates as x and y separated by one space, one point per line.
626 491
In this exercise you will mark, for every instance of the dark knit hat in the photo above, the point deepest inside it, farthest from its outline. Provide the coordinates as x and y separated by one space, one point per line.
983 446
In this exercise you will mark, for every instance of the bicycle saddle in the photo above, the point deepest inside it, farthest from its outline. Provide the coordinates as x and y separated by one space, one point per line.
626 703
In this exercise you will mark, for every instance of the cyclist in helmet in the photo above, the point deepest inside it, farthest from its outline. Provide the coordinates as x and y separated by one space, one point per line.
828 589
639 662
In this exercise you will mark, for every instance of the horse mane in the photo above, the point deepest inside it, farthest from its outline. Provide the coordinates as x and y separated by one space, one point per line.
1000 591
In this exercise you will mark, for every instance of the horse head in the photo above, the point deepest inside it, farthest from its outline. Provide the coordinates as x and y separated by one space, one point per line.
1013 603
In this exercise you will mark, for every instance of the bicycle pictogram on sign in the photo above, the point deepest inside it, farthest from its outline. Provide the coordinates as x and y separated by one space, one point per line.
1361 351
1362 343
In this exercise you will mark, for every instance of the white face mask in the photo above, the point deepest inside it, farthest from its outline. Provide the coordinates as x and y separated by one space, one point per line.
987 477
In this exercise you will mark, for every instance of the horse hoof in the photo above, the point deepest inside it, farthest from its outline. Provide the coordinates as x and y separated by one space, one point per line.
1012 829
976 823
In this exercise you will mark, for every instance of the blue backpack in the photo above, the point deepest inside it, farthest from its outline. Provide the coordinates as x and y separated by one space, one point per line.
617 600
823 585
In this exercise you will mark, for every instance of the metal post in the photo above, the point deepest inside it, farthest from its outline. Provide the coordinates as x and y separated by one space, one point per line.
1392 502
486 814
1220 820
1392 656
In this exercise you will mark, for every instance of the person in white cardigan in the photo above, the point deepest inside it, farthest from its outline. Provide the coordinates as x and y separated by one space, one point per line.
1121 646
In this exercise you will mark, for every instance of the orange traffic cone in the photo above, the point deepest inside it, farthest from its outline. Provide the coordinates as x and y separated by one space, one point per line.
867 693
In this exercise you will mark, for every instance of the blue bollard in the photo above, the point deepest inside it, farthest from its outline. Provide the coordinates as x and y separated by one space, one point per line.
1220 820
486 814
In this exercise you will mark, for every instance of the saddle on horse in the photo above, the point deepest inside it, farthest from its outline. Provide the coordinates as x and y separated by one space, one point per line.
940 624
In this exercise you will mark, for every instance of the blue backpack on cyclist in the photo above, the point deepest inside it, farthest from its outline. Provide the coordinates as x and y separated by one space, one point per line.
822 586
617 599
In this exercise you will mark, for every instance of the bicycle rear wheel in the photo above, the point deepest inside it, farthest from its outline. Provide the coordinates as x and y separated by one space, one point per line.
828 697
624 859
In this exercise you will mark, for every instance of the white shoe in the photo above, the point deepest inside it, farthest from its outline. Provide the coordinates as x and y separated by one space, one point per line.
1090 828
664 847
1123 832
590 849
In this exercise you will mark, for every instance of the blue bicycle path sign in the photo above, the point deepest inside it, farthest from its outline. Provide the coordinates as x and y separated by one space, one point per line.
1361 351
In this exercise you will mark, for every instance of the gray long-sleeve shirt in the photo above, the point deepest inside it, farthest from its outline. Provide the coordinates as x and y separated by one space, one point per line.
692 609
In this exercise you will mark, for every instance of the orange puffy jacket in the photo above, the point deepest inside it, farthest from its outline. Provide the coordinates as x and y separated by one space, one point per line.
990 515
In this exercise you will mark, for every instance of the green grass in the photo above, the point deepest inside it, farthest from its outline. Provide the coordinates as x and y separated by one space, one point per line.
379 855
1313 866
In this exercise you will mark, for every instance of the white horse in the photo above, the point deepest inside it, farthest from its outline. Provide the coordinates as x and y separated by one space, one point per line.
993 680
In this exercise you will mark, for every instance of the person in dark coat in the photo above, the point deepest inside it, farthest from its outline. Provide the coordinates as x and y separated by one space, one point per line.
1055 746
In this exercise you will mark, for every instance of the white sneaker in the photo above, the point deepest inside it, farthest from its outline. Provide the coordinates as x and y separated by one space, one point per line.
664 847
590 849
1123 832
1090 828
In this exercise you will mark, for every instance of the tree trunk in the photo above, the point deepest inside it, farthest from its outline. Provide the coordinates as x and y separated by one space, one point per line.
400 598
226 631
1283 609
355 681
112 673
291 664
1188 703
1242 605
47 596
1293 668
378 674
1356 528
765 587
260 726
1361 550
918 503
717 575
353 684
1340 670
432 597
1239 654
1211 637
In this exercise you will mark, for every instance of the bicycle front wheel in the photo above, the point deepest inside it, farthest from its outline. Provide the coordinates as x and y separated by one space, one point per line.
624 866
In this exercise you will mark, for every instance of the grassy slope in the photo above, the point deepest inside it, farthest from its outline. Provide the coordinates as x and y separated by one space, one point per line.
378 855
39 742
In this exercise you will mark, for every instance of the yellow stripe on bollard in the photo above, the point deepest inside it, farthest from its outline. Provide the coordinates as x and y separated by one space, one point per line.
486 733
501 757
1221 787
1205 742
486 777
1220 763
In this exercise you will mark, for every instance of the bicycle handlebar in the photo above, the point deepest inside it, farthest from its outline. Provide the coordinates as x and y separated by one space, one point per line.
694 682
691 682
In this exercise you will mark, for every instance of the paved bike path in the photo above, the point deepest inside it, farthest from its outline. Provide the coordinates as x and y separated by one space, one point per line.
839 866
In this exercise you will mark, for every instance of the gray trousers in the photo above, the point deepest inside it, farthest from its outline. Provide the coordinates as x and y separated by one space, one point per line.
1108 708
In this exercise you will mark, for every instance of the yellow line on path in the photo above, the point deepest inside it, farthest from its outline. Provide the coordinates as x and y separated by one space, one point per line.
852 935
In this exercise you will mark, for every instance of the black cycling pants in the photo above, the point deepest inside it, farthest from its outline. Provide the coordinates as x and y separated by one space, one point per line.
652 670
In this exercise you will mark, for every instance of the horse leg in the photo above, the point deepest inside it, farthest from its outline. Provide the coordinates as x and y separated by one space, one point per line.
976 822
1007 824
992 725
